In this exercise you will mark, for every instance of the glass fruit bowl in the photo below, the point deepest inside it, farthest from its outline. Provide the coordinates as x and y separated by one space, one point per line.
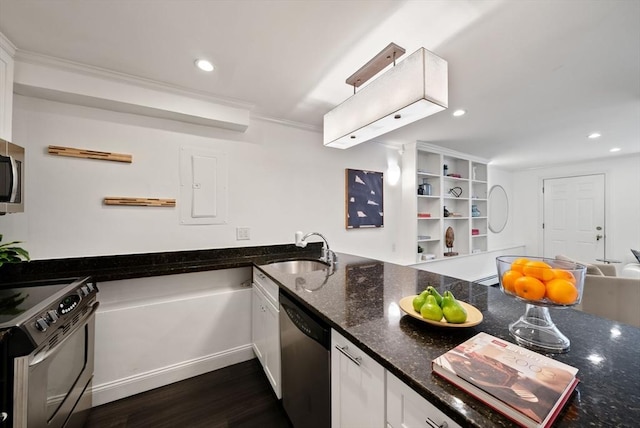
540 283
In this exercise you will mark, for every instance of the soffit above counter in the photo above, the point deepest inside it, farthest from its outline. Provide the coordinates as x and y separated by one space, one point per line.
57 80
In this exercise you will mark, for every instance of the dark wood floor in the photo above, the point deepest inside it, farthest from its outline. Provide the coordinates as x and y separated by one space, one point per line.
232 397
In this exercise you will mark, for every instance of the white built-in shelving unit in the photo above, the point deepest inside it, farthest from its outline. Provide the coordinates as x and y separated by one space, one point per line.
458 189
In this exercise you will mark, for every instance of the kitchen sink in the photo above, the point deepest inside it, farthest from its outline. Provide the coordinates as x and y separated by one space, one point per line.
294 267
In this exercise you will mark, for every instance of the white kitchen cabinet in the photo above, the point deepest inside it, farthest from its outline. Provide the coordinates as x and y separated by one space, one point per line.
357 387
7 50
265 328
407 409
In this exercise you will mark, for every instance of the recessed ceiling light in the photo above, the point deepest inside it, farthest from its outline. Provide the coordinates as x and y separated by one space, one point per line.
459 113
594 135
615 149
204 65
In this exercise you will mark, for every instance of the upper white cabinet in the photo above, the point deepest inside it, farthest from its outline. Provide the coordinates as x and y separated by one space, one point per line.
357 386
7 51
443 190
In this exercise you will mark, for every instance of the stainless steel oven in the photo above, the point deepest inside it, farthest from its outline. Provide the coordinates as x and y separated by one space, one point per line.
49 354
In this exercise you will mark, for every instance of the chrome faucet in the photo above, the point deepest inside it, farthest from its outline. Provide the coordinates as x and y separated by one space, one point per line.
328 256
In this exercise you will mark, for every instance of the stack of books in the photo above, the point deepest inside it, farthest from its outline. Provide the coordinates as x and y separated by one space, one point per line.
528 388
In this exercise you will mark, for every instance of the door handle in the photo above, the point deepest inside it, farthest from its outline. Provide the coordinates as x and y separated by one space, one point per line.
345 351
599 237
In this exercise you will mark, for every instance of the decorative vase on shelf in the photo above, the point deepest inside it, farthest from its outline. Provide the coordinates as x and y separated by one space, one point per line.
475 212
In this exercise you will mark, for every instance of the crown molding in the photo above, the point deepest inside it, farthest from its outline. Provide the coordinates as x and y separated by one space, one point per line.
6 45
288 123
89 70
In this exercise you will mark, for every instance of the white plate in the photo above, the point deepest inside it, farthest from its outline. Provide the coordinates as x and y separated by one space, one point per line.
474 316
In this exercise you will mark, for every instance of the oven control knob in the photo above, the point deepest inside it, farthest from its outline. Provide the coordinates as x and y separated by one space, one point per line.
84 291
52 316
90 287
42 324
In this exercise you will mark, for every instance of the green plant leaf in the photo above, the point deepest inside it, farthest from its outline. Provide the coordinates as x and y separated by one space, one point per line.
10 243
21 252
10 253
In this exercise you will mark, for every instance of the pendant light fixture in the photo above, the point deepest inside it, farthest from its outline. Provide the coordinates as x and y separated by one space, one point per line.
411 90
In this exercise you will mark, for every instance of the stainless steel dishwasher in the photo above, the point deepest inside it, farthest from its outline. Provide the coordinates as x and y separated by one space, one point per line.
306 366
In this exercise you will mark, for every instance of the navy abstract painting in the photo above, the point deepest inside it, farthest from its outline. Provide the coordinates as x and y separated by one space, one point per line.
364 199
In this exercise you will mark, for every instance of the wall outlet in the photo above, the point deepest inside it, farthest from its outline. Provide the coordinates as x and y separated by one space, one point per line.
243 233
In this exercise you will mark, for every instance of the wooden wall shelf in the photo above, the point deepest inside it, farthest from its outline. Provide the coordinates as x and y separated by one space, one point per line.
89 154
140 202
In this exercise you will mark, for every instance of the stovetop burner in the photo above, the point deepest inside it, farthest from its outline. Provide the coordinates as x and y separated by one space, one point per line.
21 299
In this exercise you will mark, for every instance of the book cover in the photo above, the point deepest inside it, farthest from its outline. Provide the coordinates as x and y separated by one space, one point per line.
525 386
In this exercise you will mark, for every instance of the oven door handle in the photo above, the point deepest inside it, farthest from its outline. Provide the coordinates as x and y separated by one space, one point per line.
15 180
39 358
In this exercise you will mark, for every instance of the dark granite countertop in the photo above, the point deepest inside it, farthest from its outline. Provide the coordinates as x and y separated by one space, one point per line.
127 266
360 301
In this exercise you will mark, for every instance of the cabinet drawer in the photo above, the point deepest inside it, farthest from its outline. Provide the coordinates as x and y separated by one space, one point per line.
408 409
267 286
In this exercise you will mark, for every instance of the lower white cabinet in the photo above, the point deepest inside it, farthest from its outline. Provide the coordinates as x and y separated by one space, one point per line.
265 335
357 387
407 409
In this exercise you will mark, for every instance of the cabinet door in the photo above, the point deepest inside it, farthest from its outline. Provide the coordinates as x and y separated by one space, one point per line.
407 409
271 362
357 387
257 323
265 335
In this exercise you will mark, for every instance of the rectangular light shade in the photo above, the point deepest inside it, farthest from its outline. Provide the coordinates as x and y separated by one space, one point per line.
413 89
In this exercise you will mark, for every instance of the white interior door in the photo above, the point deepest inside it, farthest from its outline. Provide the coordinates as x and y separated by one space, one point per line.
574 217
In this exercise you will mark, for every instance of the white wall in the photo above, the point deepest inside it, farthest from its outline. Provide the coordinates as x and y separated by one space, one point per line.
281 179
154 331
622 203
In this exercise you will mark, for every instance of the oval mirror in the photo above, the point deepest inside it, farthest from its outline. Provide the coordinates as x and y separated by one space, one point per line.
498 209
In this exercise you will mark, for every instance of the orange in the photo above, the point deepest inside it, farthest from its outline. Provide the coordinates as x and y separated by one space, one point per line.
509 279
518 264
539 270
564 274
562 291
530 288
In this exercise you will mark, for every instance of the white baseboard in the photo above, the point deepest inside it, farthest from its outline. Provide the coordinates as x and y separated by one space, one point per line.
125 387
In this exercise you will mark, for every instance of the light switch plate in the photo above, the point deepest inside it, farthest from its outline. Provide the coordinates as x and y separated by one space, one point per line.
243 233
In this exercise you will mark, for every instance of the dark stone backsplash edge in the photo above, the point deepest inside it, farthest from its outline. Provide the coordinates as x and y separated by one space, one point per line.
139 265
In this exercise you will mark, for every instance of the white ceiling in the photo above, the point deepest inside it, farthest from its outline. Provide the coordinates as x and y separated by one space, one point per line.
536 76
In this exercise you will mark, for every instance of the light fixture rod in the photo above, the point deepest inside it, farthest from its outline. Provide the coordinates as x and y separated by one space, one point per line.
386 56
